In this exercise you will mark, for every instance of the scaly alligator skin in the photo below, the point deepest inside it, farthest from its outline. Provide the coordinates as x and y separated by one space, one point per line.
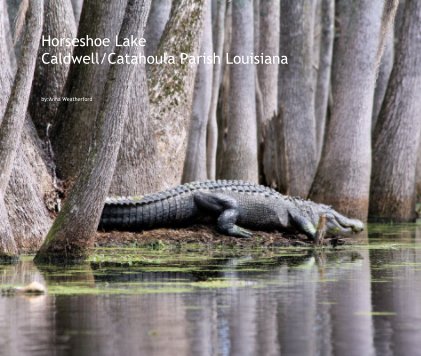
234 205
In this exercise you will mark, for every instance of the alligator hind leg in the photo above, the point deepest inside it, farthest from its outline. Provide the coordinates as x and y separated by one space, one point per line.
226 207
226 224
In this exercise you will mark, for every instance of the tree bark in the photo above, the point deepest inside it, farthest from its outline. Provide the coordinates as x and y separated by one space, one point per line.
27 194
171 89
8 249
343 175
256 25
8 59
136 170
72 135
223 102
7 51
158 18
388 18
71 234
6 77
296 98
49 79
385 68
77 9
272 156
269 45
240 159
316 25
418 175
12 8
30 179
399 18
212 129
397 133
384 61
14 117
327 33
195 161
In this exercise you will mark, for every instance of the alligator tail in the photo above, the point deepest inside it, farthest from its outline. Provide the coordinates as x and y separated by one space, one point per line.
136 214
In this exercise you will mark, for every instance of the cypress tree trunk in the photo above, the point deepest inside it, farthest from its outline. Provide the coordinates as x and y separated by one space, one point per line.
240 158
296 98
267 86
390 8
171 89
223 102
385 68
72 135
14 117
158 18
136 170
327 33
8 249
77 9
399 18
269 45
418 175
7 52
212 129
256 25
71 234
384 56
397 133
6 77
195 161
271 156
343 175
49 79
30 180
30 195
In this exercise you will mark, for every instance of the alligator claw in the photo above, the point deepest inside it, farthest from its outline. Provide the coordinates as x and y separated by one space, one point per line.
240 232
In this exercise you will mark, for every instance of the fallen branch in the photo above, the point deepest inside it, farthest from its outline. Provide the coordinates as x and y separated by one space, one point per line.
321 230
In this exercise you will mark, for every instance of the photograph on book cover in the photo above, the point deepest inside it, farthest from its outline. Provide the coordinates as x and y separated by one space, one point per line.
210 177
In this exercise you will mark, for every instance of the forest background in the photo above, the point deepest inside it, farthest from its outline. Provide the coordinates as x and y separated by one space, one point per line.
339 124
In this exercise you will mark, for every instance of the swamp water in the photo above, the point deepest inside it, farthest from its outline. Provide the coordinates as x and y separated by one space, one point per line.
363 299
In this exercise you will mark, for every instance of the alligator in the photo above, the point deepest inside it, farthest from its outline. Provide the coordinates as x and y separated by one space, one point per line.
235 206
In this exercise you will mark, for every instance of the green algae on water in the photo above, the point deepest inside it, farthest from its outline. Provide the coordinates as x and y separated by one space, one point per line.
371 313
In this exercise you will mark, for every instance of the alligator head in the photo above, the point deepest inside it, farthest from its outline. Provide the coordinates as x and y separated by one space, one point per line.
337 223
308 216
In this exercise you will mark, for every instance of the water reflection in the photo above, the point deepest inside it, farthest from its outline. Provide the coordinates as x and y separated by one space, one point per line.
398 292
360 300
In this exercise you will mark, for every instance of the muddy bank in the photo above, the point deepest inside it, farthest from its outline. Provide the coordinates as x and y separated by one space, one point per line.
207 236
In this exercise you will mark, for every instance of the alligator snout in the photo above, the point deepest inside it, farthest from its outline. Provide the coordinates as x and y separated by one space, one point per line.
353 225
357 226
337 223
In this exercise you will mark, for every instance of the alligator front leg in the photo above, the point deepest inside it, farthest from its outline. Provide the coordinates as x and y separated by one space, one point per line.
226 207
303 225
